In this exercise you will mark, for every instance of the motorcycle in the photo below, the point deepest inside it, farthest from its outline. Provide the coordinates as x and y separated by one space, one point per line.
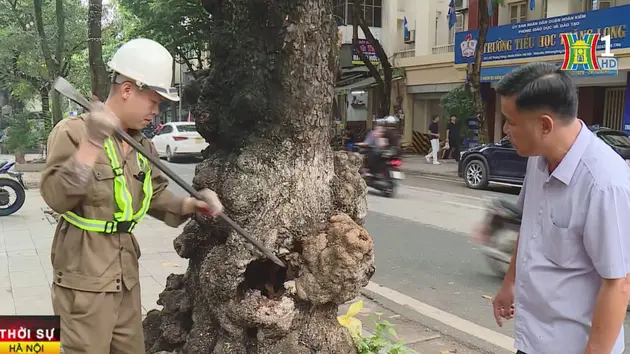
13 182
386 179
502 224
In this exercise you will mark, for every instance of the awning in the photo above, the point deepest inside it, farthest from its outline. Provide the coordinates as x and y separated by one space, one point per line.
361 84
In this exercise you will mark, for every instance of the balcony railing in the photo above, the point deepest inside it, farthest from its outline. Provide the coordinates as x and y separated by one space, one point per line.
407 53
441 49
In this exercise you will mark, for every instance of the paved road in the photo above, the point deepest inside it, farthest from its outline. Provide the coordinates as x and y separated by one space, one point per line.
423 247
186 170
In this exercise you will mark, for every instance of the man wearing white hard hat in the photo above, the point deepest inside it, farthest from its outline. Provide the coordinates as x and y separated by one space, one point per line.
102 189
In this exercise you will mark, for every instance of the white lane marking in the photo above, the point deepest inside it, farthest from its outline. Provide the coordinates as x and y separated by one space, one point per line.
440 192
483 333
441 178
465 205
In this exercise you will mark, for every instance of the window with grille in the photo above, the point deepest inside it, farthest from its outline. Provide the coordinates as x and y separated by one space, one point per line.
372 11
605 4
518 12
459 27
339 11
601 4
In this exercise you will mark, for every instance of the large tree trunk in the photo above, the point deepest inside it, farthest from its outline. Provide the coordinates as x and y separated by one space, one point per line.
474 72
98 73
265 109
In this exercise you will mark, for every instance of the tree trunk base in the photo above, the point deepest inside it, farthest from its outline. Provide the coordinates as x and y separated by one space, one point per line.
233 301
20 157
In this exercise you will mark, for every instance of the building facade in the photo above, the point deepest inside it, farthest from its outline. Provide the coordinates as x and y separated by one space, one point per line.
356 89
525 33
428 63
519 33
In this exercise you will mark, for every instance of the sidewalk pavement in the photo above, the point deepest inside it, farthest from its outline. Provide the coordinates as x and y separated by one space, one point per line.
25 267
26 271
31 179
417 337
412 165
418 165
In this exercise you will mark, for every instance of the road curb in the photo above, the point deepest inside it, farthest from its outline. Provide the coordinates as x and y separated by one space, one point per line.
464 338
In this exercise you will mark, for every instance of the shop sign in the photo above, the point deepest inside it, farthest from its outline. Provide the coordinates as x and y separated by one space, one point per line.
539 38
368 49
495 74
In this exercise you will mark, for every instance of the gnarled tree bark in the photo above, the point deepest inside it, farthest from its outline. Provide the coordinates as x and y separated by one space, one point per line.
264 107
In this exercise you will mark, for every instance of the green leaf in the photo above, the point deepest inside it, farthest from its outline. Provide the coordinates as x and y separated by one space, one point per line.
392 332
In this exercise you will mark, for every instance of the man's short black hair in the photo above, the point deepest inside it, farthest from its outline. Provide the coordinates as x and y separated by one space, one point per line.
541 85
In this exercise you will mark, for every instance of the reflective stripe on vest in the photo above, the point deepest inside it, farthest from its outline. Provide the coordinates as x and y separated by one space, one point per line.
122 197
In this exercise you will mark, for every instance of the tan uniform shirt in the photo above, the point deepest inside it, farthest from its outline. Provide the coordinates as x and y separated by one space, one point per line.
92 261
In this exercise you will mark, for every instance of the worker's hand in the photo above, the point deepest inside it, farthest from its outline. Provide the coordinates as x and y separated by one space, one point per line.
101 123
210 205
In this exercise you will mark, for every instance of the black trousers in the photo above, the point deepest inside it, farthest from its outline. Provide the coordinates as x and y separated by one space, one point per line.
520 352
373 160
455 147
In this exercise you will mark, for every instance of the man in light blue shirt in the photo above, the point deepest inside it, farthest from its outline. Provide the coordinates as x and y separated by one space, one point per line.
567 284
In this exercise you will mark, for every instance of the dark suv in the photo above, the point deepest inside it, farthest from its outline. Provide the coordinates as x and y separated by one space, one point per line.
499 162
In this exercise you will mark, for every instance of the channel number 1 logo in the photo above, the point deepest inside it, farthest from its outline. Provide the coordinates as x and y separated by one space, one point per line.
581 54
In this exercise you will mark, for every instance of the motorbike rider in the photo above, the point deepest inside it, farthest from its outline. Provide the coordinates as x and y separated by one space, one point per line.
102 188
384 140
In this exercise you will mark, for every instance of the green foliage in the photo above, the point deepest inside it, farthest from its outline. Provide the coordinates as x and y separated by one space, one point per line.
383 340
23 132
458 102
119 28
23 72
182 26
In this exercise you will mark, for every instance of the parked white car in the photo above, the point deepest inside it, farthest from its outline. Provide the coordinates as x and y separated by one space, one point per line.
179 139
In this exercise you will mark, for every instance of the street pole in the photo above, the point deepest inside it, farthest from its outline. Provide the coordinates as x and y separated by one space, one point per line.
180 93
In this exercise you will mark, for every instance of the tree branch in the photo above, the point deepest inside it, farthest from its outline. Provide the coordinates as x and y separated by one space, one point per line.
67 63
61 30
384 83
47 54
13 5
199 63
35 81
189 65
380 52
357 47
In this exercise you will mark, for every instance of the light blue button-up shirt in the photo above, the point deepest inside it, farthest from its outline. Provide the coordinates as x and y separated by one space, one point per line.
575 231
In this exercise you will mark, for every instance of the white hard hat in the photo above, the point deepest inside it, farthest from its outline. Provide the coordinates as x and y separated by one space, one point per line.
387 120
147 62
390 120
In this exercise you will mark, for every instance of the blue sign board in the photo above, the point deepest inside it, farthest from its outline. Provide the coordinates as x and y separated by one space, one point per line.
626 108
495 74
542 37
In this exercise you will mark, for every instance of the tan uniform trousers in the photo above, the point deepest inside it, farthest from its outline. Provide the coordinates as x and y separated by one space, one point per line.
99 323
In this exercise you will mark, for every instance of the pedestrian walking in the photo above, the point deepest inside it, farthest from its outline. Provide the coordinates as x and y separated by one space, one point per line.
567 284
103 189
454 138
434 134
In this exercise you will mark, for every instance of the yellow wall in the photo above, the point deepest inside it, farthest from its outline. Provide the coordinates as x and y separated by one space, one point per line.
430 69
440 69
